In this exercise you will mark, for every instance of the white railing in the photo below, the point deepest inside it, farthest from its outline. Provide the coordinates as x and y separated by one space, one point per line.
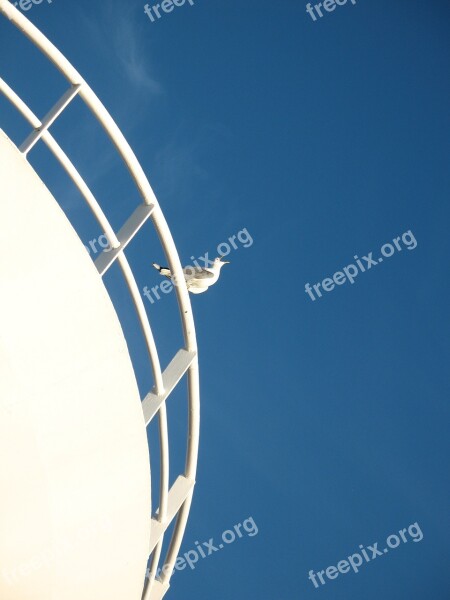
176 501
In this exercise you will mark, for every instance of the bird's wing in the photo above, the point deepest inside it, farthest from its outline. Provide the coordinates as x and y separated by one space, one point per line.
197 273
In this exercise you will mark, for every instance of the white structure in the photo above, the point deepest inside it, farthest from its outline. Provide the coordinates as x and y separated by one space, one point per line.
75 503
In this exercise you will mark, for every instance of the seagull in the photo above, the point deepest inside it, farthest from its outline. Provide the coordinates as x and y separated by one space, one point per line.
198 279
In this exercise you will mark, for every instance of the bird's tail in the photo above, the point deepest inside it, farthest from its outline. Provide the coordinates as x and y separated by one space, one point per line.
163 270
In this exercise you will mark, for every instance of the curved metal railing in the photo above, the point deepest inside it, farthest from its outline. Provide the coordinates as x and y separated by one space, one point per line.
174 502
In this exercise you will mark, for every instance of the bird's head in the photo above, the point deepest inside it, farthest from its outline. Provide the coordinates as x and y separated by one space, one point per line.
219 262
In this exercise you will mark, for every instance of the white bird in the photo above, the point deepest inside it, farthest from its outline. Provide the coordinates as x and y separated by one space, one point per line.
198 279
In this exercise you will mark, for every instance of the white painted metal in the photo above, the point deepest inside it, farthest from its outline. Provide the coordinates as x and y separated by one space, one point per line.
157 591
64 160
143 319
171 376
49 119
125 235
177 501
177 538
177 495
151 581
128 231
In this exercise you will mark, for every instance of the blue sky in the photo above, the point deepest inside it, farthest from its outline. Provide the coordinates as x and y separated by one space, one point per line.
323 420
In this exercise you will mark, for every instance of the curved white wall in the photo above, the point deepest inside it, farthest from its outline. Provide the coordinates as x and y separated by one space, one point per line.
74 466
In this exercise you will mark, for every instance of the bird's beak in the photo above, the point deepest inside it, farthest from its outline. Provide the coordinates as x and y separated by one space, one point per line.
225 262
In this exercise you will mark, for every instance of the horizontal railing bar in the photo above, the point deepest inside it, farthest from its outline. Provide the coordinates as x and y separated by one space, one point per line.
177 495
49 118
125 235
171 376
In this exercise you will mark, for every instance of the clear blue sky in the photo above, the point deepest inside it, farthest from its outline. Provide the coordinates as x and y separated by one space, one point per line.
323 420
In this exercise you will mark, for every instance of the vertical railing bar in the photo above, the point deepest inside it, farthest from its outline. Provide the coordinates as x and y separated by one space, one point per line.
164 463
146 191
177 538
18 103
153 569
143 319
65 161
83 188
